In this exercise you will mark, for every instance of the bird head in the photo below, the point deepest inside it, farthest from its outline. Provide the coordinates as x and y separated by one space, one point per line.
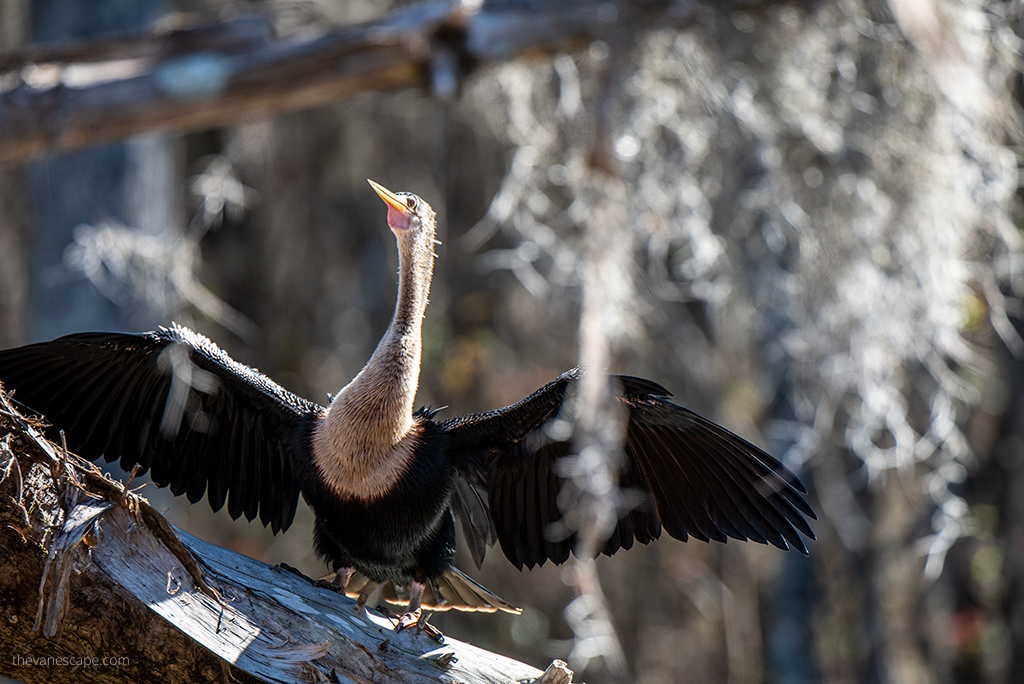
408 215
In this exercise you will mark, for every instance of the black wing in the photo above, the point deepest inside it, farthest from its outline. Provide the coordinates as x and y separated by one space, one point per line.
682 473
174 403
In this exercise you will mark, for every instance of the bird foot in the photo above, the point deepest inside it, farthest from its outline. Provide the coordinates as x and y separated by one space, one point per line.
430 630
338 582
415 618
389 614
409 619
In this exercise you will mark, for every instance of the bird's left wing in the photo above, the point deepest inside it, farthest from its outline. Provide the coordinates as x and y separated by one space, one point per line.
681 472
174 403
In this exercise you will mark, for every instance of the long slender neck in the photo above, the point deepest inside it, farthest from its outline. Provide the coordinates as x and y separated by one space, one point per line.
384 390
358 444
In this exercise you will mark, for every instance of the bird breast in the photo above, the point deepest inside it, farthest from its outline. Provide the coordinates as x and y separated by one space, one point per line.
360 460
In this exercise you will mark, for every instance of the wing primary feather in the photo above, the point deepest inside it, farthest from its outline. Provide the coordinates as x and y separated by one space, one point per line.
720 494
644 510
147 434
500 509
748 500
251 458
466 503
696 501
683 419
236 482
628 493
157 450
270 495
94 409
757 460
717 499
290 489
532 524
183 461
117 412
199 477
671 519
129 439
218 479
735 503
558 542
759 511
279 492
519 513
677 519
779 528
509 496
613 542
623 532
768 483
547 501
74 401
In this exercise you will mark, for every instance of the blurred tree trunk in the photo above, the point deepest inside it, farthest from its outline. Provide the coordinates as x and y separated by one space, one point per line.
129 183
13 218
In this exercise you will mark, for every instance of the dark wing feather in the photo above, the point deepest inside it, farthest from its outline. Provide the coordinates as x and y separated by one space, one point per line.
172 402
682 473
469 503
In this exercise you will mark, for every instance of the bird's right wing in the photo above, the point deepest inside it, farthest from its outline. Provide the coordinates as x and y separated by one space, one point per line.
174 403
681 473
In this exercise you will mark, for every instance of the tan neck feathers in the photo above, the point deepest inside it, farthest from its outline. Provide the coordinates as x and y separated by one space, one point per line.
366 439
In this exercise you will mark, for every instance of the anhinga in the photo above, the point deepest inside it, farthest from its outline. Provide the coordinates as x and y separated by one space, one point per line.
387 483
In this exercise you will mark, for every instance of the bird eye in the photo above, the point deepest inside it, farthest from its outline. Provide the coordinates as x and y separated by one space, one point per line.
410 202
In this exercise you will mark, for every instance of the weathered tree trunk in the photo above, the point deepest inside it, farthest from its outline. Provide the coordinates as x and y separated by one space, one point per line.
96 586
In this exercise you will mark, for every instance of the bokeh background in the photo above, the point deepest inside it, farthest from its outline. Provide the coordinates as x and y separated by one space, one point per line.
807 219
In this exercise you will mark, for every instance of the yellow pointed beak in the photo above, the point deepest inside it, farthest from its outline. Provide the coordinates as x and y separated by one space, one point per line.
390 198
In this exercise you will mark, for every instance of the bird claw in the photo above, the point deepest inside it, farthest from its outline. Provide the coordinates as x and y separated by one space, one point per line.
420 621
409 619
432 631
415 618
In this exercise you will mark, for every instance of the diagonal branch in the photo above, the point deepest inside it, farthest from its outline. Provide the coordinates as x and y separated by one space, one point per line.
218 73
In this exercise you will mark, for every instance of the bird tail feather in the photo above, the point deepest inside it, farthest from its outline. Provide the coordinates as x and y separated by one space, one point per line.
451 590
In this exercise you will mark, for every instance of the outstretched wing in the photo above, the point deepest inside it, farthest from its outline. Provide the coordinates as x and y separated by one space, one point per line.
174 403
681 472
